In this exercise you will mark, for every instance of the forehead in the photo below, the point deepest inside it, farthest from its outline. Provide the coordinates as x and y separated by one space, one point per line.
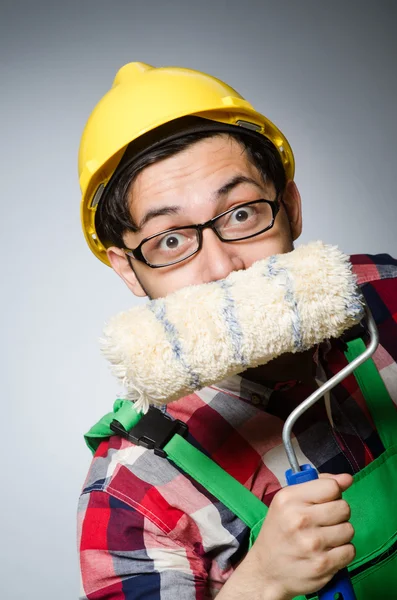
200 168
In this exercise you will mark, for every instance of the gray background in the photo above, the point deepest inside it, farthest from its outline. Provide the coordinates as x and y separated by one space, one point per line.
324 72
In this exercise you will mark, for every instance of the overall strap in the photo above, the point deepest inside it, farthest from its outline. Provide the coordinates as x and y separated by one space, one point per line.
375 394
218 482
125 413
157 431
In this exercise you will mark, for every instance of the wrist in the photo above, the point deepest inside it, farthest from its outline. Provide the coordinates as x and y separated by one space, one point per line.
270 588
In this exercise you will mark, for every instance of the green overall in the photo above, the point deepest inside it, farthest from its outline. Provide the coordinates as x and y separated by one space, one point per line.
372 497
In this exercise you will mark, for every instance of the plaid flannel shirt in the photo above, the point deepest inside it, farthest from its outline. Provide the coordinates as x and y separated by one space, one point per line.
148 530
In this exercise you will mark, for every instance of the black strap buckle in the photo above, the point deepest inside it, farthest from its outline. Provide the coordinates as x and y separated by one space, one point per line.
154 430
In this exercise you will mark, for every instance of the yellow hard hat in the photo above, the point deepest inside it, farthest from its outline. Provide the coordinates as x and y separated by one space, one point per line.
144 98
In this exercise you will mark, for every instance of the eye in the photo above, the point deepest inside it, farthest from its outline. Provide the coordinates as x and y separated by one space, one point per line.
241 215
172 241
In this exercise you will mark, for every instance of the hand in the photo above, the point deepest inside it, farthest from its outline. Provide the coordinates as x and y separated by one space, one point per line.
305 538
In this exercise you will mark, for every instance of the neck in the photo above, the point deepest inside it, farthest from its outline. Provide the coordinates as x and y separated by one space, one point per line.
300 366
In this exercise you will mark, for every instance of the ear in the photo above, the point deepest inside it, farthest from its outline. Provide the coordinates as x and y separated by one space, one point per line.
291 201
120 264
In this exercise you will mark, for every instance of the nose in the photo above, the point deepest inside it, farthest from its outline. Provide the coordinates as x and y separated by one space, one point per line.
217 258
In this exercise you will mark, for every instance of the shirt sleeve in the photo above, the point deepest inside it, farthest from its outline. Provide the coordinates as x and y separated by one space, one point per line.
126 556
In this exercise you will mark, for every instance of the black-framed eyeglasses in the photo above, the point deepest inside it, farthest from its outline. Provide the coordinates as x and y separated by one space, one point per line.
174 245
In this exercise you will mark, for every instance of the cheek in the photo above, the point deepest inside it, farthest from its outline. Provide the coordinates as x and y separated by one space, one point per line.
264 250
161 282
283 225
276 241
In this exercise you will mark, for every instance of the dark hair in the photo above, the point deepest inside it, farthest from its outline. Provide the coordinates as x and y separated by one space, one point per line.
113 217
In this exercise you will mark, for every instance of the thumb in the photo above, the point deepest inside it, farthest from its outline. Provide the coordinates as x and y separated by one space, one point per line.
344 480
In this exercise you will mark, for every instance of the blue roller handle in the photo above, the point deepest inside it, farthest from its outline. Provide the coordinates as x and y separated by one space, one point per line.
340 583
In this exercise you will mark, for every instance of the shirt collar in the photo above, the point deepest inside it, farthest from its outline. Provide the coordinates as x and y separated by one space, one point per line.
259 394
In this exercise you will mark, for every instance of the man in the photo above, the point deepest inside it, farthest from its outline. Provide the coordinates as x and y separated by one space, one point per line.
166 150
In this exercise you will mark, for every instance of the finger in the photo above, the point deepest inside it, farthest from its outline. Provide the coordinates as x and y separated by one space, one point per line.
321 490
330 513
337 535
341 556
344 479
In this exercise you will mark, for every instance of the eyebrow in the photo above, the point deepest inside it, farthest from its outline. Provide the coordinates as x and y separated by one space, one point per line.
158 212
174 210
234 182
